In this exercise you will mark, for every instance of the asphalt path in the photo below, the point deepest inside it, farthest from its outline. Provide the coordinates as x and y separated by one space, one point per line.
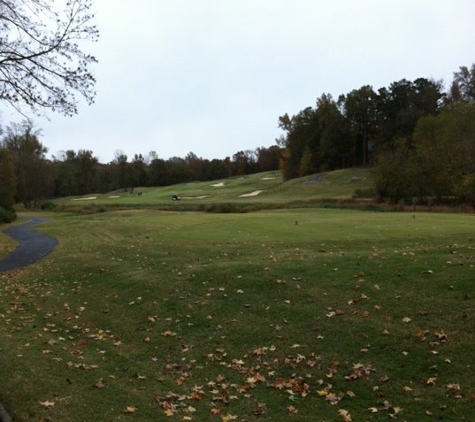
32 246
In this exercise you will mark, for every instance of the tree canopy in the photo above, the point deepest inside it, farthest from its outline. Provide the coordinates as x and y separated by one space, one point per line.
42 64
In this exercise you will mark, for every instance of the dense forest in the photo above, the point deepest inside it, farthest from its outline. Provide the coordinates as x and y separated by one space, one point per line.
419 139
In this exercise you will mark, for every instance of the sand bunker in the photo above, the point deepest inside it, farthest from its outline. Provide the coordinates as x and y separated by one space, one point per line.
89 198
194 197
114 196
268 178
255 193
218 185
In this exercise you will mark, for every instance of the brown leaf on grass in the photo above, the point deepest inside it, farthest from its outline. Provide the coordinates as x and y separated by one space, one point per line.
441 336
100 383
48 404
260 409
332 398
454 389
292 410
129 410
228 418
345 415
431 381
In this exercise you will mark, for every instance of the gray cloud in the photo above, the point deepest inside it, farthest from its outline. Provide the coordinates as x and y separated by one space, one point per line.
213 76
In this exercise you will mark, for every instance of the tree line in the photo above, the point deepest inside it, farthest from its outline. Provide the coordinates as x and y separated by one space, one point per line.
419 138
28 177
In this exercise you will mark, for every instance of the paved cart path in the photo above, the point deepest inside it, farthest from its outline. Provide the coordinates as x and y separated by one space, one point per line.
32 247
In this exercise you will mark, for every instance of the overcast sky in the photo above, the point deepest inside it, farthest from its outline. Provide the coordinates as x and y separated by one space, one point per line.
213 76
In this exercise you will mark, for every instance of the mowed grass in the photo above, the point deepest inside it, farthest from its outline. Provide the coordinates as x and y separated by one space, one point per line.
267 187
305 315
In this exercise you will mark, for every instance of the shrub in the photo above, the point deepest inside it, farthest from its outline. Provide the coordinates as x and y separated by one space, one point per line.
48 206
7 215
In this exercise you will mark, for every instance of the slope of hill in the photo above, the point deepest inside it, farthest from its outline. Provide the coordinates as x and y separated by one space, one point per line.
256 189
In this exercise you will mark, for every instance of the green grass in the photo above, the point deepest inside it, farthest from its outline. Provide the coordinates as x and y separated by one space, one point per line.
273 190
7 244
254 316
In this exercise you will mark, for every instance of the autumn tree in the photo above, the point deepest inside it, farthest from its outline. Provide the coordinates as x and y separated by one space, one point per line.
7 179
268 158
196 166
336 141
441 163
42 64
32 174
122 173
401 105
360 109
302 137
463 84
138 172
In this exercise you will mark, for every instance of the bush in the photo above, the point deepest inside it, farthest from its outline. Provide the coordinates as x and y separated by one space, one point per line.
7 215
48 206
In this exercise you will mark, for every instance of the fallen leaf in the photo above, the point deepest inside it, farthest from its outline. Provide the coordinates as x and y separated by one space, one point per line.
261 409
129 410
292 410
228 418
100 383
345 415
406 320
431 381
47 404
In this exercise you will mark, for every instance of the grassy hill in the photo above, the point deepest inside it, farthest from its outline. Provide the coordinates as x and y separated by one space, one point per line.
259 188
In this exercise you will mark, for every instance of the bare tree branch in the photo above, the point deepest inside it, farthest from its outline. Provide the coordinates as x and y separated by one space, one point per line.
42 64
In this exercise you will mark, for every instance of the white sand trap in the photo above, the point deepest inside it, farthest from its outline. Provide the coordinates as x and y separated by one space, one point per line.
255 193
194 197
218 185
268 178
89 198
114 196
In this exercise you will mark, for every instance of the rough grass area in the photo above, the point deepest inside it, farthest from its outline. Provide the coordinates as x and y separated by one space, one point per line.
305 315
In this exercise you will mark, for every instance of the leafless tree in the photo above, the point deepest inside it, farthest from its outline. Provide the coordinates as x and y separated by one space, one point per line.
42 64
